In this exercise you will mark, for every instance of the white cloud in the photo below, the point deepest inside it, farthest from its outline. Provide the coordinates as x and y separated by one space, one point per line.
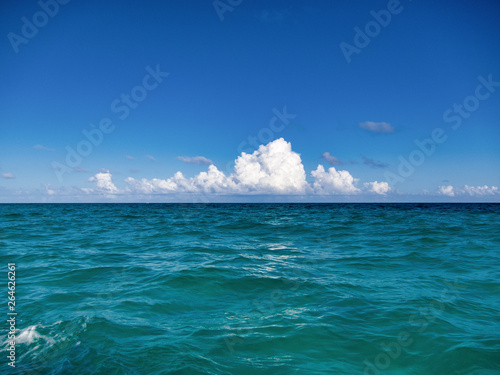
381 188
273 168
153 186
152 158
200 160
213 181
473 191
333 181
446 190
8 175
104 182
377 127
129 157
481 190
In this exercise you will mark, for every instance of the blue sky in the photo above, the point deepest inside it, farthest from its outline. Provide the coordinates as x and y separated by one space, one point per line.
162 83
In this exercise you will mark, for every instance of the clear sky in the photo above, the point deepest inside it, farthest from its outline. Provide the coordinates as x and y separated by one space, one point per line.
249 100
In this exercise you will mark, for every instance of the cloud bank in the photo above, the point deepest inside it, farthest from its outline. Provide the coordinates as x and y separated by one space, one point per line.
271 169
473 191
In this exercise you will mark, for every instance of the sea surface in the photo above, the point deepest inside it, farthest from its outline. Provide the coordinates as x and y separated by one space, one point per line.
252 288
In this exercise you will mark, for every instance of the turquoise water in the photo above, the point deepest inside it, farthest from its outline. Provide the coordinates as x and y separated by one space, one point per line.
253 289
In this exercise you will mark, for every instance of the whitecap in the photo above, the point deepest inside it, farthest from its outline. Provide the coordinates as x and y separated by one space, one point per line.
29 335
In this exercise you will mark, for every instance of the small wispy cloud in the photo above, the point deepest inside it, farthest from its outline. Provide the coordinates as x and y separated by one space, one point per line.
8 175
374 163
271 16
152 158
130 157
42 147
377 127
332 160
200 160
80 169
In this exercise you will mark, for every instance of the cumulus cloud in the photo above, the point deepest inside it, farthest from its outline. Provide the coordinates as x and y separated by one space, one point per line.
376 187
214 181
271 169
377 127
374 163
8 175
333 181
104 182
41 147
446 190
200 160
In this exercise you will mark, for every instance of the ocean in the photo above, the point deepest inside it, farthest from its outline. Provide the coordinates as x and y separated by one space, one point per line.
251 288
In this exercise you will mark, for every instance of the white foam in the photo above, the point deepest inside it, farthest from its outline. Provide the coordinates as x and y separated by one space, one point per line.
29 335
